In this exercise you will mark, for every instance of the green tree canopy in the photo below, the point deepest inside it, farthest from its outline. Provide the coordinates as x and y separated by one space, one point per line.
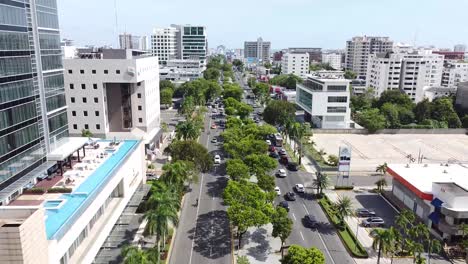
166 84
166 97
282 225
300 255
277 112
423 110
211 74
289 81
233 90
237 170
372 120
190 150
395 97
260 163
350 75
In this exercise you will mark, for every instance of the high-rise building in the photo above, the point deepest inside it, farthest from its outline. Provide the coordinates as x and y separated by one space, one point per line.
129 41
295 63
358 50
333 59
257 51
454 72
164 44
33 111
459 48
409 72
315 54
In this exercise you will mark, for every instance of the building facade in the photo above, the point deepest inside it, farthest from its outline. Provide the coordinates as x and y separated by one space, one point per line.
32 97
180 71
454 72
451 55
333 59
315 54
408 72
257 51
324 97
164 44
129 41
112 91
359 49
459 48
295 63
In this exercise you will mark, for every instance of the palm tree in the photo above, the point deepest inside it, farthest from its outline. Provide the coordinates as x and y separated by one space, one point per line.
163 198
153 255
320 182
188 130
298 132
158 221
385 241
134 255
405 221
343 208
177 173
381 184
382 168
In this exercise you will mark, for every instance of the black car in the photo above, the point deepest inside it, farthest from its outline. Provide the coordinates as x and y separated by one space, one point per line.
284 204
363 212
292 166
310 221
290 196
274 155
282 152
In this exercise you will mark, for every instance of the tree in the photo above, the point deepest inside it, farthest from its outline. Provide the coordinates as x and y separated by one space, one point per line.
277 112
86 133
464 121
390 111
188 107
178 173
300 131
453 120
213 90
332 160
343 208
261 91
363 101
166 84
384 241
442 108
320 182
242 260
396 97
267 65
251 82
350 75
371 119
381 184
289 81
237 170
282 225
260 163
405 115
188 130
244 110
190 150
211 74
234 91
238 63
134 255
266 182
166 97
158 221
300 255
382 168
422 110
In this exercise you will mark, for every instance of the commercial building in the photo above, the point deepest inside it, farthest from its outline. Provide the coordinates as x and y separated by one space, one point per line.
437 193
164 44
180 71
33 110
129 41
324 97
459 48
435 92
333 59
408 72
315 54
113 92
454 72
451 55
359 49
461 98
257 51
295 63
358 86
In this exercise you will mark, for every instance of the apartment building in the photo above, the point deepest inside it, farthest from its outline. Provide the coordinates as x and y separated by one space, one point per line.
295 63
315 54
164 44
359 49
257 51
324 97
113 92
409 72
333 59
454 72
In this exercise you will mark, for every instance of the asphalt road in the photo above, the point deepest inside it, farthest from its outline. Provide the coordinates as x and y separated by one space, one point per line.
203 235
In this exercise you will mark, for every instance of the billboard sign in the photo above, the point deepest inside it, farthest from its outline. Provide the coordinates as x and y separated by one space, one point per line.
344 159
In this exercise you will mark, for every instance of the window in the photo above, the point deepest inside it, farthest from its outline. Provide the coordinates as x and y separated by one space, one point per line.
94 85
336 88
138 83
96 99
83 86
85 113
84 100
96 113
336 109
86 126
140 120
75 126
72 99
117 71
93 71
139 95
72 86
337 99
82 71
73 113
70 71
140 108
106 71
98 126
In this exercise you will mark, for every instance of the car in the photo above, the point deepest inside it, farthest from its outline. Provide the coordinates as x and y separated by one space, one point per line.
282 152
271 148
150 176
363 212
281 173
284 160
277 190
292 166
290 196
213 126
299 188
274 155
373 222
214 140
268 142
310 221
284 204
217 159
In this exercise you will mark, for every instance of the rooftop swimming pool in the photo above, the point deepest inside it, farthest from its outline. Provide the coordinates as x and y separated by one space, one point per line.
77 201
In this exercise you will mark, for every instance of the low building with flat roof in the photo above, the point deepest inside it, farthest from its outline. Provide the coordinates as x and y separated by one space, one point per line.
436 192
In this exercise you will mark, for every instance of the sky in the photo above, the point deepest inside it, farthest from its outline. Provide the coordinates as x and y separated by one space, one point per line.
286 23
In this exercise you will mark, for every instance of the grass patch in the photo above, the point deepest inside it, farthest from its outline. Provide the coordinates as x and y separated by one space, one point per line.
344 187
310 151
345 233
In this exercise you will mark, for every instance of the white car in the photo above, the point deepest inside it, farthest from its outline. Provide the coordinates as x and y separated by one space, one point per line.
268 142
217 159
277 190
281 173
299 188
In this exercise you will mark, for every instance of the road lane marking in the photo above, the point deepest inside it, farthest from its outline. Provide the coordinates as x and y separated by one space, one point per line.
294 216
300 232
196 215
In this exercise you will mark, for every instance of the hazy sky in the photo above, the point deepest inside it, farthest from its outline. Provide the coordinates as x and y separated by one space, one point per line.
286 23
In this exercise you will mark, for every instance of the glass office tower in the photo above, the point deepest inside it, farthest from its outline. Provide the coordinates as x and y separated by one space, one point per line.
32 98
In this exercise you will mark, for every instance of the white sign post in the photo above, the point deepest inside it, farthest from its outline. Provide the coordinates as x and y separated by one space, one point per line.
344 164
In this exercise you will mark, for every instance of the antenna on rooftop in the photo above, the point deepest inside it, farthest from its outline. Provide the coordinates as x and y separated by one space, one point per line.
116 22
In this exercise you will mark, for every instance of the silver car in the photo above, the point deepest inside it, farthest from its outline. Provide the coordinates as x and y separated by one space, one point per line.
373 222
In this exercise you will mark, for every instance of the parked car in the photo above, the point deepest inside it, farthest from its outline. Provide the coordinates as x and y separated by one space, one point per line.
282 152
292 166
373 222
363 212
281 173
217 159
277 190
299 188
290 196
310 221
284 160
214 140
274 155
213 126
271 148
284 204
150 176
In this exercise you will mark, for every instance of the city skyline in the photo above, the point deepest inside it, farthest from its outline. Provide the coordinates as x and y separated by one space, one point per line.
318 24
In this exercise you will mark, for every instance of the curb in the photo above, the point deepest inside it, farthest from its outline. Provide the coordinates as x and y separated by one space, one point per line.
169 252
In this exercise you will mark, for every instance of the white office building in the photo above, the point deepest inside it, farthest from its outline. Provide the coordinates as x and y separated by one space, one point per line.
113 92
257 51
408 72
454 72
295 63
164 44
333 59
180 71
324 97
359 49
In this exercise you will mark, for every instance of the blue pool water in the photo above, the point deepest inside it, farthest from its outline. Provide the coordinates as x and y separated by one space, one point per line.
58 217
52 203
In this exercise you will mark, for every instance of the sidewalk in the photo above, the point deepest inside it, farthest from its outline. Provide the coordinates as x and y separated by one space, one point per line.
259 246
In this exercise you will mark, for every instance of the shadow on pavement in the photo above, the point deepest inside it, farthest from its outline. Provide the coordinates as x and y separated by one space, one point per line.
215 188
379 205
263 249
212 238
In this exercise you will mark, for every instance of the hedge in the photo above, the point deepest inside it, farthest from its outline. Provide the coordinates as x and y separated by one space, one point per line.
344 187
59 190
35 190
